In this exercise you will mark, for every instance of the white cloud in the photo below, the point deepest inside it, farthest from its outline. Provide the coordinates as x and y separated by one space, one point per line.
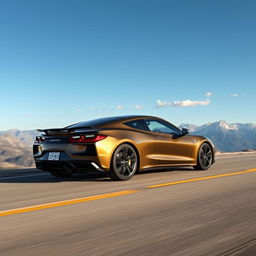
190 103
209 94
234 95
138 106
182 103
162 104
119 107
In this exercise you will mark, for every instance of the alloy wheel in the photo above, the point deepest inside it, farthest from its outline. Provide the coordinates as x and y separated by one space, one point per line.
125 162
205 156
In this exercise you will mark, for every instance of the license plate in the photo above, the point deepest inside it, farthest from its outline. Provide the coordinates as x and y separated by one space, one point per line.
54 156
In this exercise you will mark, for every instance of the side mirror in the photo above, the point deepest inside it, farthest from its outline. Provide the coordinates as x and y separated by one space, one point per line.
184 131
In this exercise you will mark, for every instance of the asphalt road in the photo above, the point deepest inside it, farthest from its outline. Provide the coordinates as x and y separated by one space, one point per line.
190 215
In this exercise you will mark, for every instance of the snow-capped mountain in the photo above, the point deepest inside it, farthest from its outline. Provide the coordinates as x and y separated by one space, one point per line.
229 137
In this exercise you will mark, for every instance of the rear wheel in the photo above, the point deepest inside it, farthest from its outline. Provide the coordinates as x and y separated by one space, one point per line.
124 163
205 156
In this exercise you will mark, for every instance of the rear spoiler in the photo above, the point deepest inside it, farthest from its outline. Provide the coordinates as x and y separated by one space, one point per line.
68 130
53 131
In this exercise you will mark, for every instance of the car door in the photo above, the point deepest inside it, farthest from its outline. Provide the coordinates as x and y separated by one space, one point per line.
172 147
145 143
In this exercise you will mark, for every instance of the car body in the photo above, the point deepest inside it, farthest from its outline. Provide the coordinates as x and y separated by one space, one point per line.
134 143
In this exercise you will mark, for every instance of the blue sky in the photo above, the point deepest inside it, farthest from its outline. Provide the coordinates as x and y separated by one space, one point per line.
67 61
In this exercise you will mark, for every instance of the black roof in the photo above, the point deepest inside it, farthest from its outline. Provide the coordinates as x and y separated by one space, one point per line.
104 120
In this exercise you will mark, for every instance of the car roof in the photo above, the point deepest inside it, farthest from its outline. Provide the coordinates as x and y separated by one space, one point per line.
106 120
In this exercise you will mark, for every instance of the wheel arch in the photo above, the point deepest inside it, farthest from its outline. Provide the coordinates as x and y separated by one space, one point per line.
133 146
211 146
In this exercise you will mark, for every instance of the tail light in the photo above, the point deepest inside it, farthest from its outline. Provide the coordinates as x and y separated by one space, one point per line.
86 138
39 140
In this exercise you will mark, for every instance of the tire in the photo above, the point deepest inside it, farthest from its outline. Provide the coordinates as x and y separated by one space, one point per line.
61 174
124 163
204 158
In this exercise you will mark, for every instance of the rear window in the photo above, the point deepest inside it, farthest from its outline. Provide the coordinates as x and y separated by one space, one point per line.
138 124
93 123
99 122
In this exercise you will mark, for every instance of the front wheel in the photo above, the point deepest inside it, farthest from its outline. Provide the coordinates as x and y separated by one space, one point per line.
124 163
204 158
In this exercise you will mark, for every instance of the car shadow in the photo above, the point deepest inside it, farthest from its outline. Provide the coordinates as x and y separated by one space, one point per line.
167 169
37 176
45 177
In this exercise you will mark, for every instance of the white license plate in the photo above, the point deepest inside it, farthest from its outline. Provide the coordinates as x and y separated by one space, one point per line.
54 156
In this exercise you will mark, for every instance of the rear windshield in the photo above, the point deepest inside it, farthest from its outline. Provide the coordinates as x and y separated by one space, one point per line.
94 123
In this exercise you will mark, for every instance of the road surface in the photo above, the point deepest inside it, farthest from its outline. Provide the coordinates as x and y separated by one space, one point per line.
169 212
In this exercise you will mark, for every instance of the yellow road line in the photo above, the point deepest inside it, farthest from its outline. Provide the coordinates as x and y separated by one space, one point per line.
202 178
65 202
109 195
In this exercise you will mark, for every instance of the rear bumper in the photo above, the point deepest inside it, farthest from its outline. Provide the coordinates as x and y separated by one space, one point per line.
74 166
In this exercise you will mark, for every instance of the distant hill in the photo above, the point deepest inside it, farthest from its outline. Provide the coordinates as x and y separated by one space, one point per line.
26 136
16 148
14 152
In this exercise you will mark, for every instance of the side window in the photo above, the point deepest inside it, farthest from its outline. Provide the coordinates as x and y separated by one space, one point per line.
138 124
161 127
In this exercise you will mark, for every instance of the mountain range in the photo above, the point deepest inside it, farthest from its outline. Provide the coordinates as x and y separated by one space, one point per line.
227 137
14 152
16 145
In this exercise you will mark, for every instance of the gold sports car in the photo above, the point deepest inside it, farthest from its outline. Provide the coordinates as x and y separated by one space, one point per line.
120 146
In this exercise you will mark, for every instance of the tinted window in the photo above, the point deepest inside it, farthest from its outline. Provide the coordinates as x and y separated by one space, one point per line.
161 127
97 122
138 124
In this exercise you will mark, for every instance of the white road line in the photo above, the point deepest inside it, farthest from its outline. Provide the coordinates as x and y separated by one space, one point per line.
225 157
23 176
